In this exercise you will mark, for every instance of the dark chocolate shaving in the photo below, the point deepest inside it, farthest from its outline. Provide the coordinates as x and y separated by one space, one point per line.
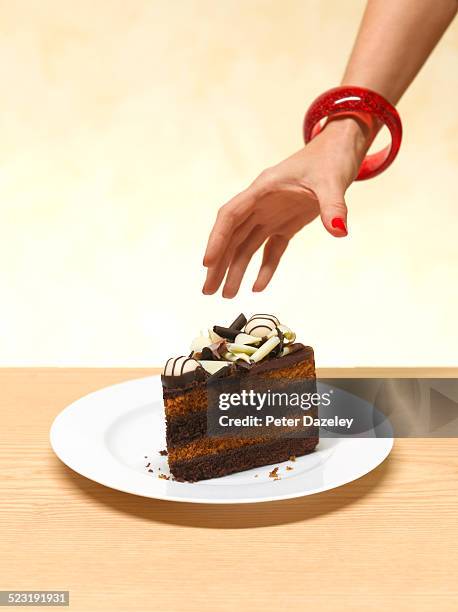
239 322
279 348
226 332
207 354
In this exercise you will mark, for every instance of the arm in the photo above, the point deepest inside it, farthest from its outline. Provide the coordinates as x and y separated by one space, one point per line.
395 39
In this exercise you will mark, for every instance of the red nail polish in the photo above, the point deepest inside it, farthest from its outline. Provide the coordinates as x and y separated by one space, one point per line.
339 223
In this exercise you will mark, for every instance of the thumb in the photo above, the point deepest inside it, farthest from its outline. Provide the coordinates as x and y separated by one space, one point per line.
333 212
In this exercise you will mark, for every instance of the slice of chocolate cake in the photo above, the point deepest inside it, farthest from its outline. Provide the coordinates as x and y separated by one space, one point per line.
220 401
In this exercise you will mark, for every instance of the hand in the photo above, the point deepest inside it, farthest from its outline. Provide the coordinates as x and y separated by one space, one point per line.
281 201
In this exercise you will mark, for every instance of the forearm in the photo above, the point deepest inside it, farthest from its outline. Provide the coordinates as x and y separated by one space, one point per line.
395 39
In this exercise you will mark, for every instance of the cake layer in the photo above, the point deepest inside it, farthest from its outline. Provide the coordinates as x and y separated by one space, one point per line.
230 460
214 445
182 429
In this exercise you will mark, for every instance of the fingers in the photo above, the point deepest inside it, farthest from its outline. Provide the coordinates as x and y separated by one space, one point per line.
273 251
228 218
215 274
217 271
333 211
241 259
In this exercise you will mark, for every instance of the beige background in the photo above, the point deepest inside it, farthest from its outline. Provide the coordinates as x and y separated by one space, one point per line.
124 125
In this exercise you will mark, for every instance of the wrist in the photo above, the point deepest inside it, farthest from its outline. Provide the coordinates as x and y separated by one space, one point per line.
356 130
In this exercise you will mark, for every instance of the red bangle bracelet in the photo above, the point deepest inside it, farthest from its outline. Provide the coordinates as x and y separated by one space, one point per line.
346 100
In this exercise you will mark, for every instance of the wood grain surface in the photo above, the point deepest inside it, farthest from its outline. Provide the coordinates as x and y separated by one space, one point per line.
387 541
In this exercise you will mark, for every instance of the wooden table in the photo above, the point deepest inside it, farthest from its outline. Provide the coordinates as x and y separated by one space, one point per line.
385 541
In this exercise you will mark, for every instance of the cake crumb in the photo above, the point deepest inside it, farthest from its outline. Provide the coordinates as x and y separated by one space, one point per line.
164 477
288 467
292 458
274 473
163 453
277 478
150 470
148 464
256 475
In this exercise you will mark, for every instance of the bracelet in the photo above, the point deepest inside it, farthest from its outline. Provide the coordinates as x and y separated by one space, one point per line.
349 100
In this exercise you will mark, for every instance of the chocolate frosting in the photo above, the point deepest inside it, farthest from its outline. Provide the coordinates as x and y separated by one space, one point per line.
186 381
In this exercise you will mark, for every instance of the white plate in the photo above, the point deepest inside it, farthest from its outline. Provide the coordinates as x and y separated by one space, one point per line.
109 436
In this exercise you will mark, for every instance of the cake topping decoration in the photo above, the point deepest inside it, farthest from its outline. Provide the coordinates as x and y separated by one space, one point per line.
214 366
239 322
241 348
237 357
288 334
226 332
180 365
246 339
206 354
244 343
265 349
234 328
200 342
261 325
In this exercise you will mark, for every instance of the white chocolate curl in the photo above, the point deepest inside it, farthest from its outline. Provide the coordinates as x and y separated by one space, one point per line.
200 342
246 339
213 366
241 348
176 366
273 333
288 334
214 337
236 357
261 325
265 349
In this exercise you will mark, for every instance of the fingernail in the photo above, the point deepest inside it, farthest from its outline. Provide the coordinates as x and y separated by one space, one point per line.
339 223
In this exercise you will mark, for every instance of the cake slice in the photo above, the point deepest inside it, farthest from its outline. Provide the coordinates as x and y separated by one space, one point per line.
258 357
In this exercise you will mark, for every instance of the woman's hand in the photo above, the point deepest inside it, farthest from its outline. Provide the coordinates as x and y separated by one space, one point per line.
281 201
